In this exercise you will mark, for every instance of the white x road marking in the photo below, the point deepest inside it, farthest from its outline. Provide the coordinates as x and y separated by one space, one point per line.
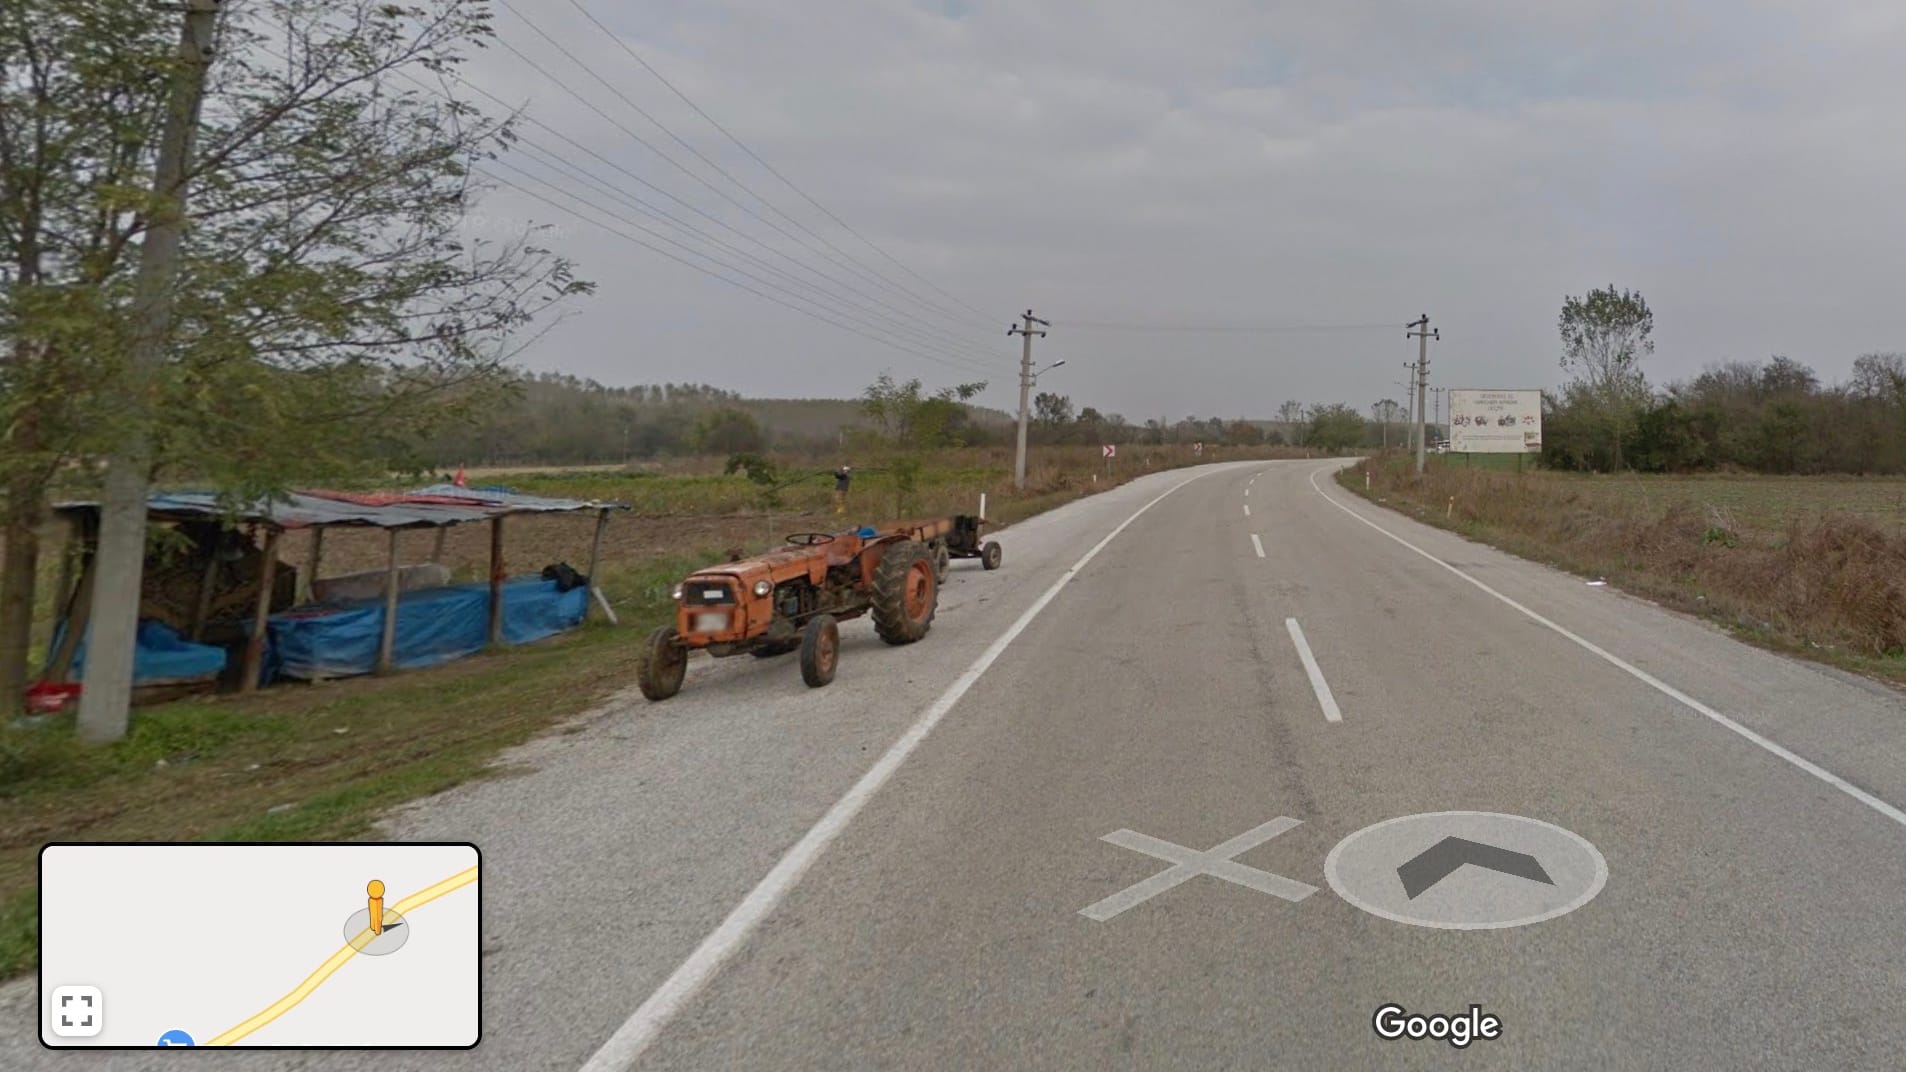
1188 864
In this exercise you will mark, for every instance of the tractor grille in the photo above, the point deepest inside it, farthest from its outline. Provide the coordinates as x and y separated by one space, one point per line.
707 594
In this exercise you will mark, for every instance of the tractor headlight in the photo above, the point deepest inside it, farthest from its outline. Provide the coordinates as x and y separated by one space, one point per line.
762 588
676 594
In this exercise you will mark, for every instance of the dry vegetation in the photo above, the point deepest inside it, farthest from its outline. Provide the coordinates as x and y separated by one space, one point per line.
1810 564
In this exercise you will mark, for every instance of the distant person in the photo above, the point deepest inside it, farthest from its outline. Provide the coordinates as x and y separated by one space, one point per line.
842 477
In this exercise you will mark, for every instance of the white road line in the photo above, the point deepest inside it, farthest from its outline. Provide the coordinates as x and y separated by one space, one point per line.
1257 543
1247 509
1692 704
1247 491
1317 683
640 1029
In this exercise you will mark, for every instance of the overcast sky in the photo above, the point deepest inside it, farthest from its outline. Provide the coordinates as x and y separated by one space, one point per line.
1227 164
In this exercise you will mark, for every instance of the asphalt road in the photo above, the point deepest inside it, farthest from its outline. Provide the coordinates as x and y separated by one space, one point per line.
1718 853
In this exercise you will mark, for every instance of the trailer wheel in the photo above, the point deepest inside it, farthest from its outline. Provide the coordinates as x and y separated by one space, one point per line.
661 665
906 592
989 555
820 650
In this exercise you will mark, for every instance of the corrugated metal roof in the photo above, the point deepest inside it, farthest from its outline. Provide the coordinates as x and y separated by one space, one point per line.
435 506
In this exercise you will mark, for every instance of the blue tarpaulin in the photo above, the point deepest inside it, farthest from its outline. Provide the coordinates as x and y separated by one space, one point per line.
434 626
161 655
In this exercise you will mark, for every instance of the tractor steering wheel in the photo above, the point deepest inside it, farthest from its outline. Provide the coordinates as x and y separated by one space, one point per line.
810 539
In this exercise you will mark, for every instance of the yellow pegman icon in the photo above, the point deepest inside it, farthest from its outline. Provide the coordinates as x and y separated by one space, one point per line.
376 892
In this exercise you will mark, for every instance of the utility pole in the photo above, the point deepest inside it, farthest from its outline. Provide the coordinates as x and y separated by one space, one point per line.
1423 334
119 562
1025 389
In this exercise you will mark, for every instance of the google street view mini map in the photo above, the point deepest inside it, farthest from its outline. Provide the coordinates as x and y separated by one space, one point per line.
275 946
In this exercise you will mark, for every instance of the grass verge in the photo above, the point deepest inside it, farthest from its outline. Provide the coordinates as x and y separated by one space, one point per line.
1825 580
300 763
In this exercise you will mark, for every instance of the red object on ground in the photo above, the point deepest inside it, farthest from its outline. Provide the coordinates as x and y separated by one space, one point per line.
459 481
50 697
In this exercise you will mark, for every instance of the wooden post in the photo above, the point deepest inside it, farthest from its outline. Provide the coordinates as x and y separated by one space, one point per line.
261 613
595 558
436 553
496 580
387 640
203 608
317 560
78 610
67 539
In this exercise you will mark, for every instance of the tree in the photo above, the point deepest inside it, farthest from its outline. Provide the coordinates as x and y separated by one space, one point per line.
1291 416
1604 337
1052 410
1244 433
1337 426
729 431
329 309
905 424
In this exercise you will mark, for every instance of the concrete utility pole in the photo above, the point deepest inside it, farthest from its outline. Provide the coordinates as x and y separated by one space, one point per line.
1025 389
106 698
1423 334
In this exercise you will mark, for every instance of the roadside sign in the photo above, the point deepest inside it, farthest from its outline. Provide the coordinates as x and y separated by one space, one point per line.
1111 450
1495 422
1197 448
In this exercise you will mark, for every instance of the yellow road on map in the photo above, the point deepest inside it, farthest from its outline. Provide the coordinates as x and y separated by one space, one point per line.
315 979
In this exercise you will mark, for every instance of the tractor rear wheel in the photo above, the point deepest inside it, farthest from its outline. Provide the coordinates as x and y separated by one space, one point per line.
906 592
820 650
661 665
989 555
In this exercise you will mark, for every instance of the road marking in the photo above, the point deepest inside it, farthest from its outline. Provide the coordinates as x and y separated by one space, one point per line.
1188 864
337 960
1257 543
1247 509
1692 704
1247 491
1317 683
622 1048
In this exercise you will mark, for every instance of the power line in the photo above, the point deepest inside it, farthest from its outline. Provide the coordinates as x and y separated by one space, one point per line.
848 262
899 325
586 102
770 168
966 349
1237 329
950 356
717 275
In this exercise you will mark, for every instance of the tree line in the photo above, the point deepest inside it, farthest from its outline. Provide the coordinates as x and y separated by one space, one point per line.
553 418
1772 416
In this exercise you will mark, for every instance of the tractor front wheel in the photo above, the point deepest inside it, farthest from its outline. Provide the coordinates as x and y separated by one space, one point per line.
820 650
942 561
989 555
906 592
661 665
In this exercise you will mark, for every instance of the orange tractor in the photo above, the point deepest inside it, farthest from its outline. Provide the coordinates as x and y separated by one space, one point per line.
794 598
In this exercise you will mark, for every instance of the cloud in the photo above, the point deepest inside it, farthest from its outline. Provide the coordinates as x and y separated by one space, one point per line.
1241 163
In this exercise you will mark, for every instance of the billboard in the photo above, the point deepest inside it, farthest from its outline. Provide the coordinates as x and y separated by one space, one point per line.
1495 422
